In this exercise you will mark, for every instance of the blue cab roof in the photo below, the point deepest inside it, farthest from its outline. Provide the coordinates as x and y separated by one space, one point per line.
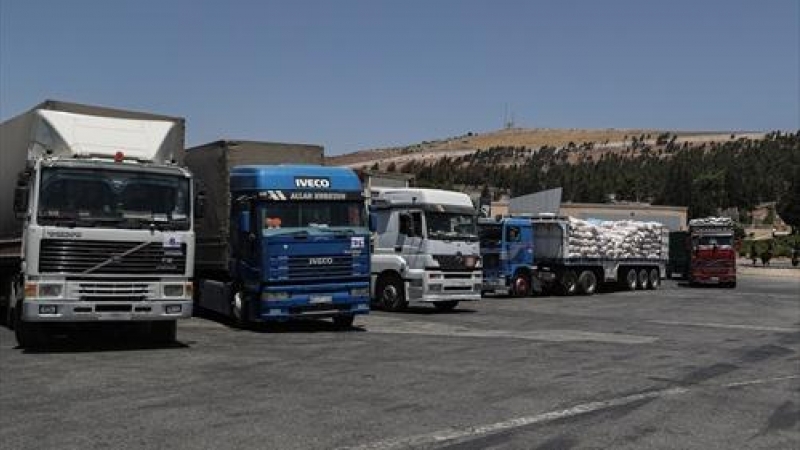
264 177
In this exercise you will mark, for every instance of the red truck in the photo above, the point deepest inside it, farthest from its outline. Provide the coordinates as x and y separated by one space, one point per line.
713 254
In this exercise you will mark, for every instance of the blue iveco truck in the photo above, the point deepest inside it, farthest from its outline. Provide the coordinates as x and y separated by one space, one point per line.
279 242
507 254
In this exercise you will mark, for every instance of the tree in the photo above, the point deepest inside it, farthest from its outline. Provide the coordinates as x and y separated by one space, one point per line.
789 205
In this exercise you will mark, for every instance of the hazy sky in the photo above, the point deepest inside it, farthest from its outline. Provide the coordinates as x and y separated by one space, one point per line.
358 74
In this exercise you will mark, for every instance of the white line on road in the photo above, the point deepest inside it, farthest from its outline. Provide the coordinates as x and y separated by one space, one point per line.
465 434
727 326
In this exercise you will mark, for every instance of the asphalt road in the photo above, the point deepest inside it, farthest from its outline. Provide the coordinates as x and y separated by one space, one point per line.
675 368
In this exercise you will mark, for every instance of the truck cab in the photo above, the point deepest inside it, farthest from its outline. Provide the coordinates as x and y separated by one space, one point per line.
507 254
713 256
299 247
426 248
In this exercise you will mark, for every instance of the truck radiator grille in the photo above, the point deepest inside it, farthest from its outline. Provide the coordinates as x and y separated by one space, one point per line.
320 268
76 257
455 262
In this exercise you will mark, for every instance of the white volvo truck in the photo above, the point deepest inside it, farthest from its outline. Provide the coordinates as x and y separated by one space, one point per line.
95 220
425 249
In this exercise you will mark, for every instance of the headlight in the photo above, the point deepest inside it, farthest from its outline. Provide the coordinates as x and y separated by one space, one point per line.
50 290
173 290
359 292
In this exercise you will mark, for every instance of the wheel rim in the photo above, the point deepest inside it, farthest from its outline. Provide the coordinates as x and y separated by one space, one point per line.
591 284
632 279
390 295
643 279
655 280
237 305
520 286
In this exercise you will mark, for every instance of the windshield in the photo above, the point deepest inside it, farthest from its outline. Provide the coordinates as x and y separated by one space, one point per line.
113 198
715 240
443 225
491 235
280 217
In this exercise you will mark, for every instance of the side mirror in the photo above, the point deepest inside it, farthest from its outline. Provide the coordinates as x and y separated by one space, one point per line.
21 193
200 205
244 221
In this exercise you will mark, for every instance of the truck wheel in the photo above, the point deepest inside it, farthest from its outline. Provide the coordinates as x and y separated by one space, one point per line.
587 282
655 279
343 322
30 335
163 332
569 283
732 285
391 293
239 309
643 279
630 279
446 306
521 285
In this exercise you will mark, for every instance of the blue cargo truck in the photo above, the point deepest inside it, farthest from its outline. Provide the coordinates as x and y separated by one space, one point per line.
279 242
507 254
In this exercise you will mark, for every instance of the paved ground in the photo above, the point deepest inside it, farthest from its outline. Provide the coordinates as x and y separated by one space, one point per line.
675 368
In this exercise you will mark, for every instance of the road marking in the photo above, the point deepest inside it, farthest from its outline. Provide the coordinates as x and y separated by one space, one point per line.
391 326
727 326
450 435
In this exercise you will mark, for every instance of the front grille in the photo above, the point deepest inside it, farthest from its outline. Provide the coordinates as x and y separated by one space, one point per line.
317 267
77 257
114 291
456 262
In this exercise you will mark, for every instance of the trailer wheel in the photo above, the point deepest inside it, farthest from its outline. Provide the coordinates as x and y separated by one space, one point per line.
391 293
343 322
655 279
569 283
239 309
521 285
630 279
644 280
446 305
587 282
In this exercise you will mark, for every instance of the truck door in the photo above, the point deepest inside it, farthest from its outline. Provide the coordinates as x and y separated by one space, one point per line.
247 244
410 238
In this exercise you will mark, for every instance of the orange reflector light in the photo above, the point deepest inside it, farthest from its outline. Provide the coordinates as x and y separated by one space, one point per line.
31 289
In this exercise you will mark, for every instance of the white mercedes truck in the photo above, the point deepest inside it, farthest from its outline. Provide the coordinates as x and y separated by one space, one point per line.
96 222
425 249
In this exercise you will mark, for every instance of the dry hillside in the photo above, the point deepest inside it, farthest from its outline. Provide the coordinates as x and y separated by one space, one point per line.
517 137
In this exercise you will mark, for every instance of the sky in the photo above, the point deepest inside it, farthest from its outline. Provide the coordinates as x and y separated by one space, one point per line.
357 74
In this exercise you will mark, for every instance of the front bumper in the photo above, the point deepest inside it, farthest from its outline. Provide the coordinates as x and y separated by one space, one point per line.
86 311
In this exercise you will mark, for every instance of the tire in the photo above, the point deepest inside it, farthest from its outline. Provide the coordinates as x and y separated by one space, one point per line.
732 285
344 322
655 279
391 293
587 283
569 283
446 306
521 285
240 311
29 335
163 332
643 281
631 280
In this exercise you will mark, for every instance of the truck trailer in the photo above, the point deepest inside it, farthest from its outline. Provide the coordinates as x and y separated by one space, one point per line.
96 222
426 248
279 241
574 256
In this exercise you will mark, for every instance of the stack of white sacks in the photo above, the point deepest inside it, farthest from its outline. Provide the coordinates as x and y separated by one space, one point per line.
615 239
711 222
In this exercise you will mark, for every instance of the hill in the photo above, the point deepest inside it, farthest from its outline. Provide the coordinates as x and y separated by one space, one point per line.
531 139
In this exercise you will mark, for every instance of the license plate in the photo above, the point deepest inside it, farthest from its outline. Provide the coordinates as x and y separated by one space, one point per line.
715 279
321 299
116 316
